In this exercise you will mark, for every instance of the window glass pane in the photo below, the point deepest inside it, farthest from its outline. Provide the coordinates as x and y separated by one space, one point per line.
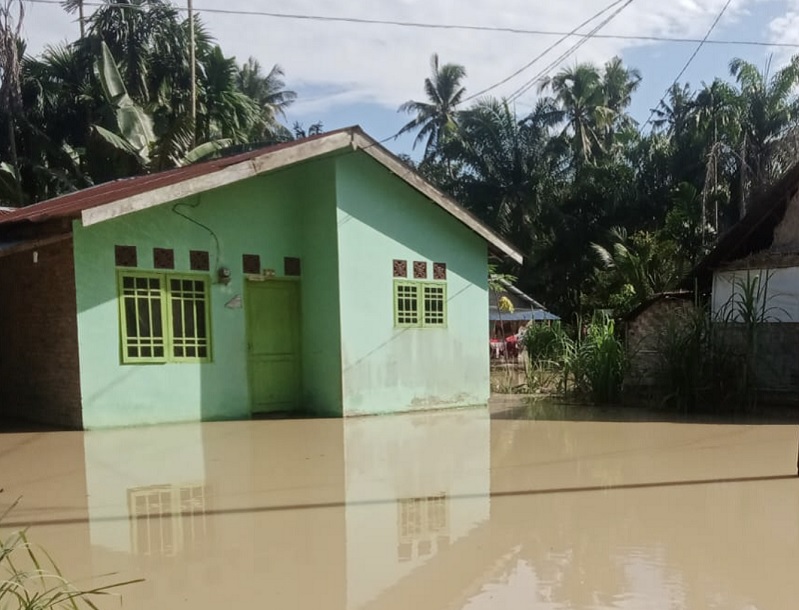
201 332
155 316
130 318
407 304
188 317
143 311
189 312
177 319
434 302
141 324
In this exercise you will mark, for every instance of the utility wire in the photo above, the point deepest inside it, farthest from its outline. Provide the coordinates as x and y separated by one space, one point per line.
687 63
451 26
565 55
542 54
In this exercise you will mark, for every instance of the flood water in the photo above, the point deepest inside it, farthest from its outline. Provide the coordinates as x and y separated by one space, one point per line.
442 511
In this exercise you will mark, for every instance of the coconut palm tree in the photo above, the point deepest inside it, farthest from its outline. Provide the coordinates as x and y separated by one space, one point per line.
436 119
580 104
269 92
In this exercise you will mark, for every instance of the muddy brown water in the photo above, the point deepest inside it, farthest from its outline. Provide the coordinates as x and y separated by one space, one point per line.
442 511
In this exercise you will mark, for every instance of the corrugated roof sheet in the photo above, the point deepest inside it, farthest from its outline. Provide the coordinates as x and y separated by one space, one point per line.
751 233
539 315
72 204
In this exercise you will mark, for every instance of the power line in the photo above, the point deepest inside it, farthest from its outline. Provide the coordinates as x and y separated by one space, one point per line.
688 63
542 54
453 26
565 55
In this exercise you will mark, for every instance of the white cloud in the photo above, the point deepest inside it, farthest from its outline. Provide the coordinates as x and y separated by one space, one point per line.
385 64
785 29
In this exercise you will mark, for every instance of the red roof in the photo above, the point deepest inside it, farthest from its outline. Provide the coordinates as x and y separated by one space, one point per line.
72 204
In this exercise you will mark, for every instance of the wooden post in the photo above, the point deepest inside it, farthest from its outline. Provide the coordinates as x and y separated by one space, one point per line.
193 62
81 19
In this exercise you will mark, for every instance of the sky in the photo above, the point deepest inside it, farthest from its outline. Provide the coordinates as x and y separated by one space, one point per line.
356 73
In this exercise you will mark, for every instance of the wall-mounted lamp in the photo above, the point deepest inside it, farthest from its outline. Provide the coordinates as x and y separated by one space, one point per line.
223 274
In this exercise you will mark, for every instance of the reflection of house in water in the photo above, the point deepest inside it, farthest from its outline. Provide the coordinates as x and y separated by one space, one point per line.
398 512
408 502
360 508
166 519
423 525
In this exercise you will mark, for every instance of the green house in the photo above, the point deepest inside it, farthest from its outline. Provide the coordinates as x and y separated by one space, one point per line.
320 276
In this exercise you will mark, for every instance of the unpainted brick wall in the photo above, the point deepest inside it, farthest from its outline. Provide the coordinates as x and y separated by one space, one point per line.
39 368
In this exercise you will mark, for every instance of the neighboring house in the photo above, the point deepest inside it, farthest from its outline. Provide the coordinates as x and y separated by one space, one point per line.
645 327
525 310
320 275
762 250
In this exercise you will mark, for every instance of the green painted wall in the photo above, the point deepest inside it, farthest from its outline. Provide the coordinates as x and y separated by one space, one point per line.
380 218
321 330
264 216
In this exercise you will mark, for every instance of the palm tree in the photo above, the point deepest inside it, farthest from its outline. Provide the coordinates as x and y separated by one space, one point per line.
223 111
11 82
581 105
768 114
510 163
639 261
436 120
149 40
673 113
269 93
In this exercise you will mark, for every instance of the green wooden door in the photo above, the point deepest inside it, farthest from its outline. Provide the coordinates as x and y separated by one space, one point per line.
273 327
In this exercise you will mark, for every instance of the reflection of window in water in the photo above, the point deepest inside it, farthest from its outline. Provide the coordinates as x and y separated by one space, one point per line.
423 525
166 519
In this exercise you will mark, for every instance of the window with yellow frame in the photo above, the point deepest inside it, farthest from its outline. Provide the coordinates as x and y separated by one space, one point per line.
164 317
420 304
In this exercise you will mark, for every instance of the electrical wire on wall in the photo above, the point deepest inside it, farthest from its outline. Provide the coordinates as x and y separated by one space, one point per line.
194 206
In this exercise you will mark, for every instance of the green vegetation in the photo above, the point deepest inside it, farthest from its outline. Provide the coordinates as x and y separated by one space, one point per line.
31 580
607 211
117 101
590 364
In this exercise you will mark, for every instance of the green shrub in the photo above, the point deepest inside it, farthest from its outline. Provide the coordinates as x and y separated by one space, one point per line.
31 580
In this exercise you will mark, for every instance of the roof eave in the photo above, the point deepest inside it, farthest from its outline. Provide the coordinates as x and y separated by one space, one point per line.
375 150
353 138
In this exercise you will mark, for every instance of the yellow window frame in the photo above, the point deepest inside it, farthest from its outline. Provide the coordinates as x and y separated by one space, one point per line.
165 297
420 310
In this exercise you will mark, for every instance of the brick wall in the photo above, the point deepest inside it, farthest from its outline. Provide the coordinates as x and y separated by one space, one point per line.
39 368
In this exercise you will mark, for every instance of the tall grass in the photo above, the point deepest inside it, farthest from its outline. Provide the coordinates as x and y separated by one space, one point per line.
603 360
31 580
590 362
711 359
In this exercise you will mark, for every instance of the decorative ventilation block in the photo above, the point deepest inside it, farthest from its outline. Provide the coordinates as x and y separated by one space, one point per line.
251 263
163 258
125 256
199 260
400 268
